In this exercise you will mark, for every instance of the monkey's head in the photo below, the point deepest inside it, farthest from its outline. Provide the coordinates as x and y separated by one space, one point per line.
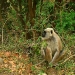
47 33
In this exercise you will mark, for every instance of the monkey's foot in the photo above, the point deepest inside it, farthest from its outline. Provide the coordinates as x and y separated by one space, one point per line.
53 64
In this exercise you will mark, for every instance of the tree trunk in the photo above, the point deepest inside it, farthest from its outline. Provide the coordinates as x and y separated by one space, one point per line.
31 12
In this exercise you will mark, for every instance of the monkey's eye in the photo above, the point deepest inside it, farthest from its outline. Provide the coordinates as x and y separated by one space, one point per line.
51 31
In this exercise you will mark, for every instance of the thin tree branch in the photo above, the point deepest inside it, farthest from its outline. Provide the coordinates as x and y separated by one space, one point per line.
68 59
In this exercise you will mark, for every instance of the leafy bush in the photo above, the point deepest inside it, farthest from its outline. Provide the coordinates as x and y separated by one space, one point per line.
66 21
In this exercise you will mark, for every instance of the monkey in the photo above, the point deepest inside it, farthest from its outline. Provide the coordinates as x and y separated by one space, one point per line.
52 52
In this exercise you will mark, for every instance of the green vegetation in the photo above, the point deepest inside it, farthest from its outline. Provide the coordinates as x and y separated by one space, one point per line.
21 26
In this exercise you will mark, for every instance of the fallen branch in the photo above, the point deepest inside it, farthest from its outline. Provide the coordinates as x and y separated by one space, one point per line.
57 65
68 58
39 63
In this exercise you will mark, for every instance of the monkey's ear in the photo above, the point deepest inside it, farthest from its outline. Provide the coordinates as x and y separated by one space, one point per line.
51 31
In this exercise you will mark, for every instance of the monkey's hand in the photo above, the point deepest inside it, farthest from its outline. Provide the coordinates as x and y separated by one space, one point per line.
42 53
44 44
43 48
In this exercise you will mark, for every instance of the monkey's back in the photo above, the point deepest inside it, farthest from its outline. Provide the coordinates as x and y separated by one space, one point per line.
58 43
55 43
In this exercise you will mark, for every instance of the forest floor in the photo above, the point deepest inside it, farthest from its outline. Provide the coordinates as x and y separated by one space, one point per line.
14 63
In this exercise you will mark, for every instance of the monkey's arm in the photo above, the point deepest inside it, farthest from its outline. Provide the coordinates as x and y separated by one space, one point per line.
55 56
43 48
42 51
48 53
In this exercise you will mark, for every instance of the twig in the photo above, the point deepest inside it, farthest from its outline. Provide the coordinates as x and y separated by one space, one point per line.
39 63
2 36
3 24
57 65
68 58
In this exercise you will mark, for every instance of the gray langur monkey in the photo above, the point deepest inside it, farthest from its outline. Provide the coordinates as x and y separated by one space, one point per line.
53 51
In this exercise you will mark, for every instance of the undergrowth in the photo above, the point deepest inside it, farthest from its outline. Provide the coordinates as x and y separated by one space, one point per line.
33 51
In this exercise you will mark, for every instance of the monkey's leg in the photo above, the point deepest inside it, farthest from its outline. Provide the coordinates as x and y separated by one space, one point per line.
61 56
48 54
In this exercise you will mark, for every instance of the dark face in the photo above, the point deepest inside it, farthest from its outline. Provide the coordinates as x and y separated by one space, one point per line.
44 34
47 33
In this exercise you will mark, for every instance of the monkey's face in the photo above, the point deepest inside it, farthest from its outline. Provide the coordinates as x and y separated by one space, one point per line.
47 33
